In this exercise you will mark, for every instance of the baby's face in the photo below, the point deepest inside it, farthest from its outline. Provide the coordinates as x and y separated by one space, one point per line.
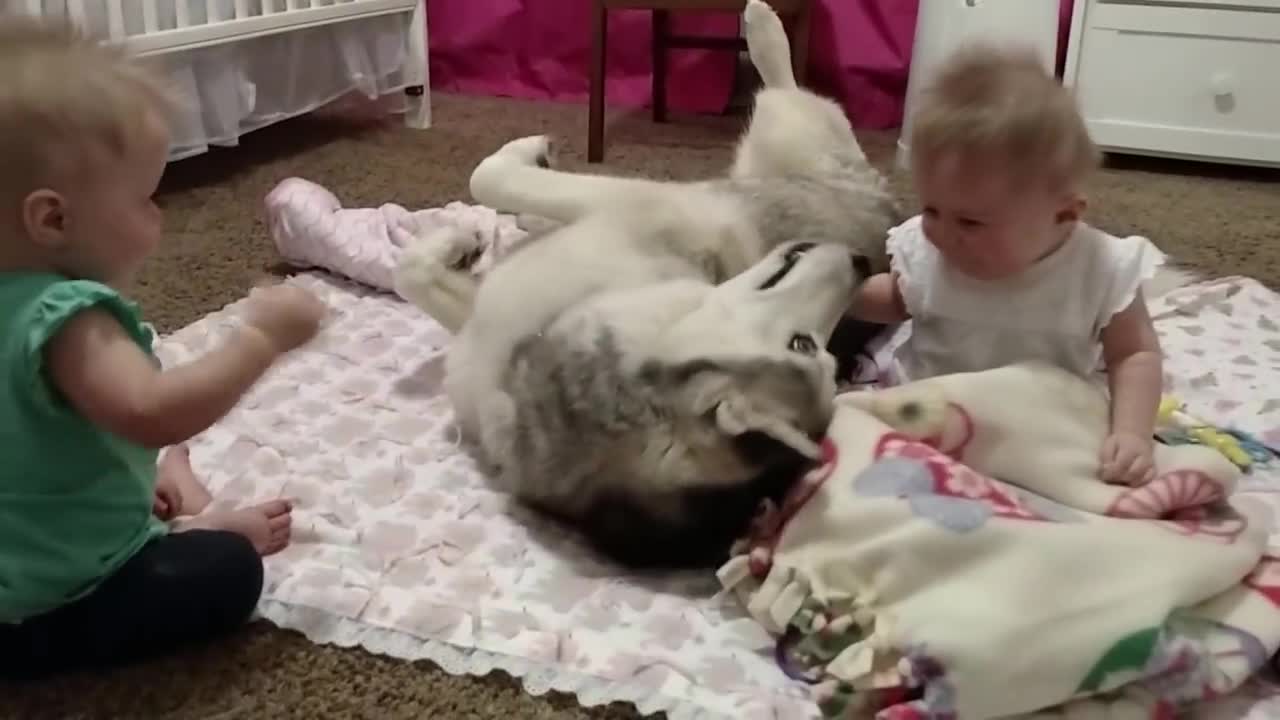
113 223
984 224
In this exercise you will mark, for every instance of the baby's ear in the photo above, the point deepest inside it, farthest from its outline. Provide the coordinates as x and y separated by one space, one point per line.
44 217
1073 208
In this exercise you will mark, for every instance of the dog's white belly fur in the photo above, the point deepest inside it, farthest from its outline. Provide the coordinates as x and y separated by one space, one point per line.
616 248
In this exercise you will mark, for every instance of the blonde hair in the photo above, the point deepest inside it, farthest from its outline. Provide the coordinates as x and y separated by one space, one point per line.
61 92
1001 105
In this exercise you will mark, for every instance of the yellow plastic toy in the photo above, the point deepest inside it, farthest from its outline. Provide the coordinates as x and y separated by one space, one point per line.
1172 414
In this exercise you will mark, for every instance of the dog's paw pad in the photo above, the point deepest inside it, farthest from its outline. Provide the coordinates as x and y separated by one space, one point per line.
459 249
464 258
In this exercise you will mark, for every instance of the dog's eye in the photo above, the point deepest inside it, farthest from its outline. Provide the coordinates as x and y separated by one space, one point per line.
788 261
803 344
794 253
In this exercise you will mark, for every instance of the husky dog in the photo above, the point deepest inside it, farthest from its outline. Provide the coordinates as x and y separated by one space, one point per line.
655 366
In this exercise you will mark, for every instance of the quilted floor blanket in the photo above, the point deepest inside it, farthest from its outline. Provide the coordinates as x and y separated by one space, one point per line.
403 548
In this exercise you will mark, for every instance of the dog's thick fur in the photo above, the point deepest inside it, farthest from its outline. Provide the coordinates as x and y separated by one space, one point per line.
655 366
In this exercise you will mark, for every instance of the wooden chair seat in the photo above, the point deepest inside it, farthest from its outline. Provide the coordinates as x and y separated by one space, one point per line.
797 13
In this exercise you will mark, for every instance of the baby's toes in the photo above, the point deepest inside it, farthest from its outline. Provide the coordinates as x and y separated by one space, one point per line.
278 540
280 523
272 509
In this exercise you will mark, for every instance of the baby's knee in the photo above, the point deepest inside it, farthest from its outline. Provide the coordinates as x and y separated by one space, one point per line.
226 570
240 566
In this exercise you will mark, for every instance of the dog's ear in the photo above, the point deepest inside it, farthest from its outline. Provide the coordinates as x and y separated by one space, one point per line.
736 415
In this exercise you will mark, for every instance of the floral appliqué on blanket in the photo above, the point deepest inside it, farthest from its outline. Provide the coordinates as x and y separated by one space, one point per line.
947 492
1265 579
1187 659
1188 500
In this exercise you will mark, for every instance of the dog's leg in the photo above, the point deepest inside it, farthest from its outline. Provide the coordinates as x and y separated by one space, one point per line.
434 273
792 130
518 178
767 45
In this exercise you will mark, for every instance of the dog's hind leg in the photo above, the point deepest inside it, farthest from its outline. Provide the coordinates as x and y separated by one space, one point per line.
434 273
767 45
518 178
792 131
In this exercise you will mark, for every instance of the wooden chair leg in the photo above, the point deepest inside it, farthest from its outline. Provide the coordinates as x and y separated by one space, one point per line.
599 50
801 27
661 30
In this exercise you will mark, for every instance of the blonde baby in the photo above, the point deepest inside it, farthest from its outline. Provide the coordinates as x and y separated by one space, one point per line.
999 266
93 572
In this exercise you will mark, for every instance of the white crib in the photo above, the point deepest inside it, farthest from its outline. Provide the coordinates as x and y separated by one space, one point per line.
245 64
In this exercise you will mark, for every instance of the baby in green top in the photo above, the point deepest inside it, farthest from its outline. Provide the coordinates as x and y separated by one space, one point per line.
91 574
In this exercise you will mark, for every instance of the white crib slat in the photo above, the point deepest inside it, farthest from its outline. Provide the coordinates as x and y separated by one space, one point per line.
150 17
216 22
75 10
115 19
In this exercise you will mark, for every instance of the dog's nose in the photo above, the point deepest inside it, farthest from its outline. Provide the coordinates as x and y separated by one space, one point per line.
861 265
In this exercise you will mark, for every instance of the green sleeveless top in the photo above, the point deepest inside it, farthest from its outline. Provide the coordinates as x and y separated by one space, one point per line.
75 500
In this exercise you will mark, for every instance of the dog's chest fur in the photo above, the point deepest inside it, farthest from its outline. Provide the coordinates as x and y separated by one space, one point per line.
852 209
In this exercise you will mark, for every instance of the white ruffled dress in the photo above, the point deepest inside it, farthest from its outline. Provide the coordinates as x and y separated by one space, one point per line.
1054 312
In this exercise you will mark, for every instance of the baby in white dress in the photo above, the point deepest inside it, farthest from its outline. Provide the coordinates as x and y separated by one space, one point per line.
999 267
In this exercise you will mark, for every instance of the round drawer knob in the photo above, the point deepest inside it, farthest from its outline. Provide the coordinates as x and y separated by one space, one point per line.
1224 92
1223 86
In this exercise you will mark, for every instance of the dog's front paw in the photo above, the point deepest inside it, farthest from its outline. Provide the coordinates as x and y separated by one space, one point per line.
429 265
450 248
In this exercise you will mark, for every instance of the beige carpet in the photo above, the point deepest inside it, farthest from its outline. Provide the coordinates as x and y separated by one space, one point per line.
1219 220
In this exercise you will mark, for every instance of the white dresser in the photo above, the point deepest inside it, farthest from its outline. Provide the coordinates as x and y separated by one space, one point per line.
1188 78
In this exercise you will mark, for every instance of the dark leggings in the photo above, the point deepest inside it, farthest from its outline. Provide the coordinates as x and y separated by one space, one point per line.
180 589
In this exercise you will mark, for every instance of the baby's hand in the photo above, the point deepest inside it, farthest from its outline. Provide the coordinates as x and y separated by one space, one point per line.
287 315
168 499
1127 459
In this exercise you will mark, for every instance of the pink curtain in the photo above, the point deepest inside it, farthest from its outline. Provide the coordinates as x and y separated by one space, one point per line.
860 52
541 49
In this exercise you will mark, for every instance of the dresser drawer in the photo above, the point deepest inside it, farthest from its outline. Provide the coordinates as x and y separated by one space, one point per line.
1238 19
1247 5
1180 94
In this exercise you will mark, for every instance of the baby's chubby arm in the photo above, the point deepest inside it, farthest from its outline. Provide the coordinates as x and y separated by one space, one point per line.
1131 351
103 374
879 300
1135 373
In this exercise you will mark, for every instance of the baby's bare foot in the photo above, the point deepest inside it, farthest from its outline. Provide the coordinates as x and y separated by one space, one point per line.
268 525
175 467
